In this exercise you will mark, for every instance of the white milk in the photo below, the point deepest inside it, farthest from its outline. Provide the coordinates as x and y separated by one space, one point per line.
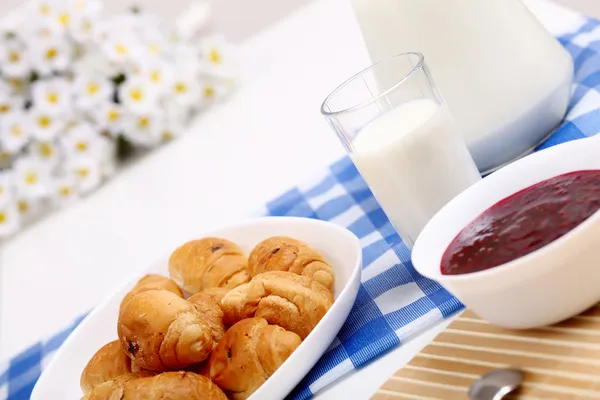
505 79
414 162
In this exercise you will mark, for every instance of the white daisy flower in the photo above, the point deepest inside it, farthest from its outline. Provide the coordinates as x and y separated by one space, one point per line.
158 75
10 103
83 140
185 89
86 171
110 116
46 152
9 219
144 129
14 59
211 90
42 9
92 90
138 96
51 54
218 56
46 126
169 132
121 48
7 191
15 131
28 208
53 95
31 177
64 190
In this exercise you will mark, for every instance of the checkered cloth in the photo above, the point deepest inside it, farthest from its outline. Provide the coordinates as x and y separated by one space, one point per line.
394 302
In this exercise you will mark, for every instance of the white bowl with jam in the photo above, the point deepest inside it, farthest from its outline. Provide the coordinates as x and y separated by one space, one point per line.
521 248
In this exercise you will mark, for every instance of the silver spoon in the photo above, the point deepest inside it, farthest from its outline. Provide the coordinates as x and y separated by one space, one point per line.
496 384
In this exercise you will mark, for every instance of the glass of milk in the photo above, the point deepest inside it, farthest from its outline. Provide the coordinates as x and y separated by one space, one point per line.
401 137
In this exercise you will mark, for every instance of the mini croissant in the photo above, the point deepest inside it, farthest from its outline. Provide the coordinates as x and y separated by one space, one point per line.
166 386
211 312
107 364
152 282
250 352
207 263
161 331
282 253
294 302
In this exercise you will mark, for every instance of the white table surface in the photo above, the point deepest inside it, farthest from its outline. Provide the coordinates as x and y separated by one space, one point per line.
264 139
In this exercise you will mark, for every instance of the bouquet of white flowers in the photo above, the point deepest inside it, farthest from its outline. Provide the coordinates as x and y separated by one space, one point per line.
80 90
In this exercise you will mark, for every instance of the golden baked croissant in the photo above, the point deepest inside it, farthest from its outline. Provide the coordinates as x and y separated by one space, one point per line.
216 293
294 302
108 363
166 386
152 282
282 253
207 263
161 331
248 355
211 312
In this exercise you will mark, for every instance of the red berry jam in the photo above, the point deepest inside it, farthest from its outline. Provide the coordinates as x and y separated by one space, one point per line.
524 222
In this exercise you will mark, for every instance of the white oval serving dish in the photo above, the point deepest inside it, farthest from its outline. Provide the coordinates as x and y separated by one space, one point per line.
340 247
547 286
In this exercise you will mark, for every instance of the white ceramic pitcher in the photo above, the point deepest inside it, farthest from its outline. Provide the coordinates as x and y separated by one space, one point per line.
506 80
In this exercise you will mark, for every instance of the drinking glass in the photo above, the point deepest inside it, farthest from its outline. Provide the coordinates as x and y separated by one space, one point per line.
394 124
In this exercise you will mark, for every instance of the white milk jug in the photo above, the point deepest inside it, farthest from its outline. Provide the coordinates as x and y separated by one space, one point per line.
505 79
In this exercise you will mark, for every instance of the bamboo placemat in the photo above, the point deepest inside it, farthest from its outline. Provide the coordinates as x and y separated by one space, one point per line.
560 361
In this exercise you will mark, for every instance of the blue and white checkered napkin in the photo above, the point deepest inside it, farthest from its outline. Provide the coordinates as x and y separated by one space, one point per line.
394 302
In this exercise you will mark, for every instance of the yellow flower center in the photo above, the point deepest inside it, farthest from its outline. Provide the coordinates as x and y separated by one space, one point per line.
154 49
180 87
64 19
92 88
23 206
121 49
46 150
80 4
16 130
44 9
215 57
113 115
44 121
143 122
4 108
4 156
14 57
17 84
167 135
1 190
81 146
51 53
64 191
155 76
31 178
83 172
87 26
136 94
209 92
52 97
3 217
